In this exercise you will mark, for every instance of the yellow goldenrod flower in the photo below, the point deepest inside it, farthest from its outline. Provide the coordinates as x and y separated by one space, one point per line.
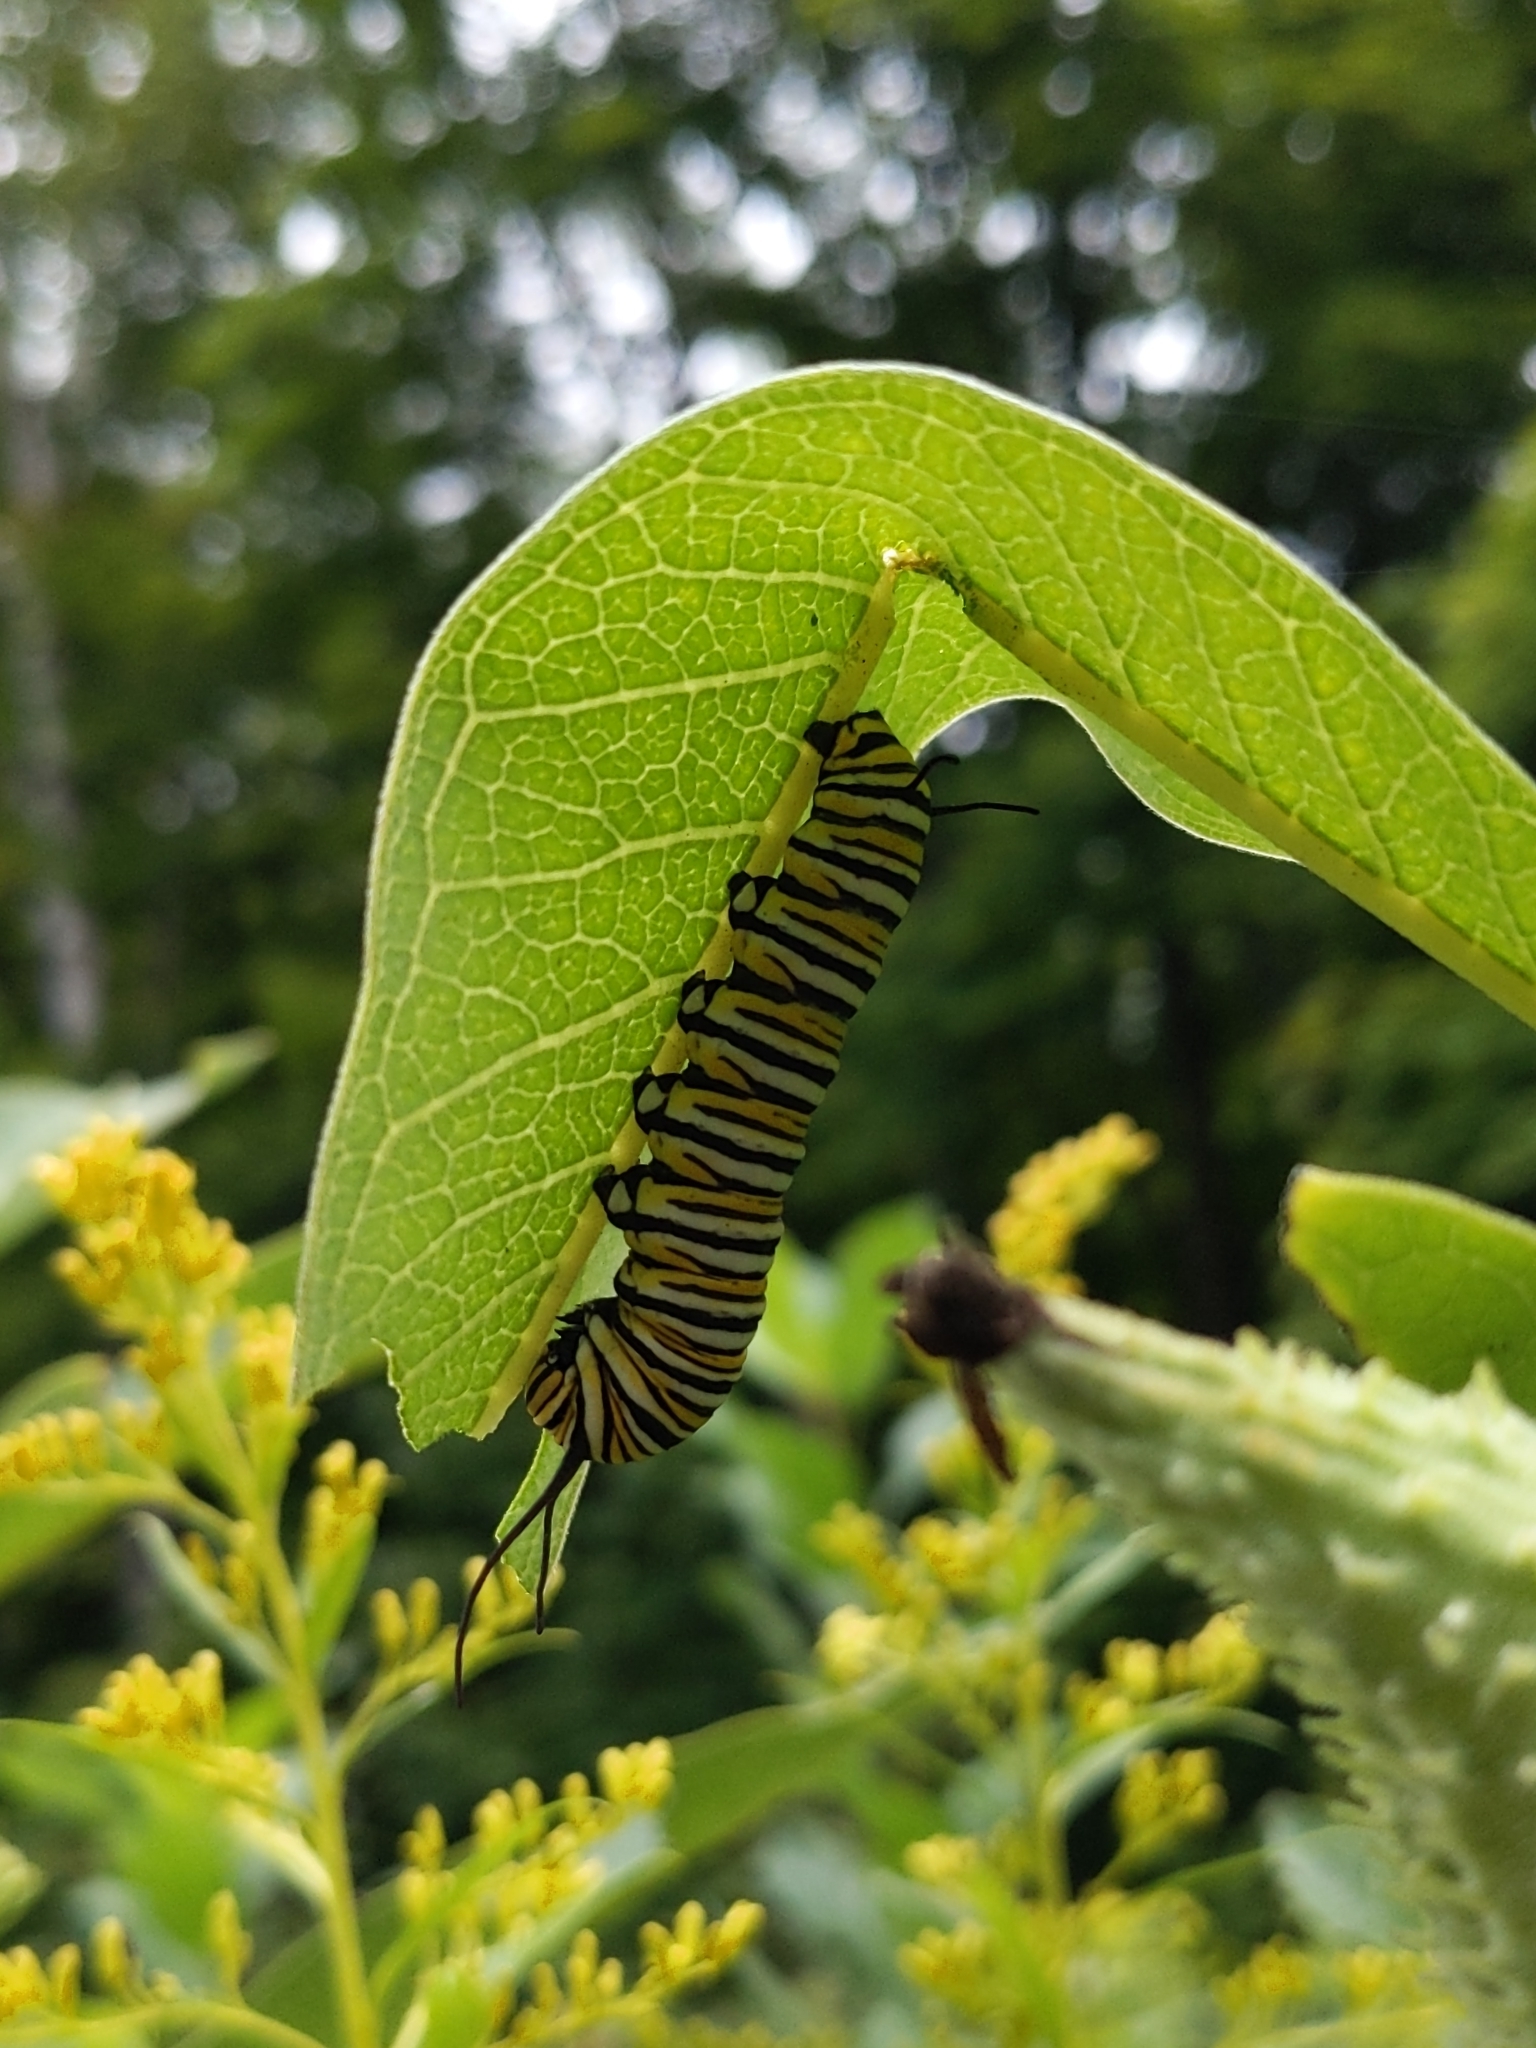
228 1942
146 1259
693 1946
391 1630
495 1819
71 1445
953 1962
1220 1660
576 1795
182 1712
348 1493
424 1846
89 1183
638 1775
424 1611
1057 1194
111 1959
23 1982
167 1346
943 1860
1136 1668
962 1554
1276 1973
1380 1977
852 1644
416 1892
264 1355
64 1977
1160 1794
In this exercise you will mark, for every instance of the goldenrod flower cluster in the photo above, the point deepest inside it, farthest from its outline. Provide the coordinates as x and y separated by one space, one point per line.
28 1985
231 1575
1032 1971
27 1981
182 1713
985 1564
71 1445
528 1854
347 1494
1219 1663
146 1259
1161 1799
404 1628
691 1951
1281 1985
1057 1194
264 1355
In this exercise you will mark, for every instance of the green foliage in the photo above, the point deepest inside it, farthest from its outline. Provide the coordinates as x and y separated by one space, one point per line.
540 889
949 1718
1425 1279
190 1795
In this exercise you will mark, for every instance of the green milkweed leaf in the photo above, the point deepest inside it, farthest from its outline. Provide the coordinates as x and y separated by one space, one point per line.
1419 1276
603 721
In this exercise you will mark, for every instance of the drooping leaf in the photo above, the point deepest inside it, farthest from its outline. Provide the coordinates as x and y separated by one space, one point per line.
600 725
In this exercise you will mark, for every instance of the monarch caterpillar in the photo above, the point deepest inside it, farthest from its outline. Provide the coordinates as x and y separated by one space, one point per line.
634 1372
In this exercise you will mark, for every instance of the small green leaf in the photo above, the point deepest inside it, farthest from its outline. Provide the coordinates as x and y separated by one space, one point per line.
602 722
453 2008
825 1339
80 1381
39 1521
1337 1878
783 1478
731 1773
1424 1278
159 1826
38 1115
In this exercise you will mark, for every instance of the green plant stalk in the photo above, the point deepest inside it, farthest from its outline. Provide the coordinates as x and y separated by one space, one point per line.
230 2022
1047 1834
358 2017
1385 1540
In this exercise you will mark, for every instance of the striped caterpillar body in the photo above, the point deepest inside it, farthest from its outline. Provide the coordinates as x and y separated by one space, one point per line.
638 1370
634 1372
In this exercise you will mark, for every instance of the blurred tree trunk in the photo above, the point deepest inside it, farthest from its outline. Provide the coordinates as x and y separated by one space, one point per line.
41 790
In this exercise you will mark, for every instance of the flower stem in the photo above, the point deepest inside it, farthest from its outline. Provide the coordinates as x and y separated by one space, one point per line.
359 2021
